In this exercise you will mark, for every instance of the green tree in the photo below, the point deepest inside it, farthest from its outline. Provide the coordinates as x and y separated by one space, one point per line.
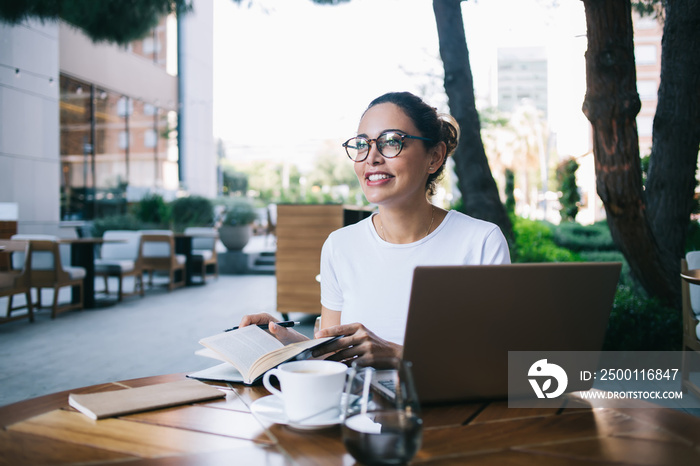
570 198
648 221
118 21
479 191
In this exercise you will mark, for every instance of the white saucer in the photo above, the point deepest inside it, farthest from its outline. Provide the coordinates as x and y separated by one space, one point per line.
270 408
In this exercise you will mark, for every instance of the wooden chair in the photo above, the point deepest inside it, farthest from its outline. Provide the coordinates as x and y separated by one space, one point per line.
691 309
203 254
121 259
158 253
47 271
13 282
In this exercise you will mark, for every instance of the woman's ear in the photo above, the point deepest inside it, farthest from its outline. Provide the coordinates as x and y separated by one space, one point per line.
437 157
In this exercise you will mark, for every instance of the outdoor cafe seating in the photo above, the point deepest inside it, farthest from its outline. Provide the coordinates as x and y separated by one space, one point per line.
47 270
691 317
203 254
158 254
14 282
120 257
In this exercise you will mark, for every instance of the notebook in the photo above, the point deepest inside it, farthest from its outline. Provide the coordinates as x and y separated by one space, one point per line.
463 320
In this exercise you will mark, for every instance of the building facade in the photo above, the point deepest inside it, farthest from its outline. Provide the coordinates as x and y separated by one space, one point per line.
88 127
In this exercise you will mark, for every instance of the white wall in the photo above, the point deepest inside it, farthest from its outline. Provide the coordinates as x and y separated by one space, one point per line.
116 69
197 150
29 124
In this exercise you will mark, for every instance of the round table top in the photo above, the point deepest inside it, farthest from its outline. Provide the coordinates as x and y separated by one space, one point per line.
691 276
568 431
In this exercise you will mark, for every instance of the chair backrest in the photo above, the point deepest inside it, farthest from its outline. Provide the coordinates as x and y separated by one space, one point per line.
45 263
693 259
203 237
158 251
12 248
128 247
42 259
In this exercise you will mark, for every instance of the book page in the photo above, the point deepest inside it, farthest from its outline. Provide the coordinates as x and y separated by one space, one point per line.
242 347
270 360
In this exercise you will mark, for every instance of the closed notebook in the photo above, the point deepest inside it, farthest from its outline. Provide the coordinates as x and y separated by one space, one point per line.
134 400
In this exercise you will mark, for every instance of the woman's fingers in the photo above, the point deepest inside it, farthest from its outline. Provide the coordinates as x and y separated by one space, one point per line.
256 319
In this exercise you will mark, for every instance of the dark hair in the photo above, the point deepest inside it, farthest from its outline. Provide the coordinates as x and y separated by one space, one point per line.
430 124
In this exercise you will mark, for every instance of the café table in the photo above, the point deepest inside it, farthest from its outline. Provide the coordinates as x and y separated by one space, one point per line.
45 430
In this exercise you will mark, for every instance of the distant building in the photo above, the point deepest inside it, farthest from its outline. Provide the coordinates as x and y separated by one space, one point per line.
87 127
647 54
522 76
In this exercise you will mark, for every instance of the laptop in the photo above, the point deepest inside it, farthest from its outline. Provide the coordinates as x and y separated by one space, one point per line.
463 320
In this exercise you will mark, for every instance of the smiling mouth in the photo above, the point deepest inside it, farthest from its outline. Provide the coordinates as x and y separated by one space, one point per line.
378 176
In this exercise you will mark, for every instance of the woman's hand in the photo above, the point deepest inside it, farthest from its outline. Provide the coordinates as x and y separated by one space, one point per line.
358 343
283 334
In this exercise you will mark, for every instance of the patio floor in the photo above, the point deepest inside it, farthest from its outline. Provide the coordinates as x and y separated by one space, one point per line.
154 335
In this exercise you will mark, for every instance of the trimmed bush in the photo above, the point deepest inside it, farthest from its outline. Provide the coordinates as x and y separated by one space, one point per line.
192 211
152 210
534 243
115 222
577 237
638 323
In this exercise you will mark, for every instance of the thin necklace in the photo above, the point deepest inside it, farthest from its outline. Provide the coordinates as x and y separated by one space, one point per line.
432 219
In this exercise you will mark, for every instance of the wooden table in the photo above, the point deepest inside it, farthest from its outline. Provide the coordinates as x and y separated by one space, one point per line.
691 276
46 430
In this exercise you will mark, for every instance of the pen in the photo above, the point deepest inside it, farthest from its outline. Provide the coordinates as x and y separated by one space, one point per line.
284 323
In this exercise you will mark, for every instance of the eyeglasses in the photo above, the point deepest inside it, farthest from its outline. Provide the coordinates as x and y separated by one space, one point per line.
389 144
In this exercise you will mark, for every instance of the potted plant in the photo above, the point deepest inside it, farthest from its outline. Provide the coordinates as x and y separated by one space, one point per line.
237 224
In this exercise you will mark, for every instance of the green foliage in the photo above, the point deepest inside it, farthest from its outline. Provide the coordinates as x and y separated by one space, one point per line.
534 243
566 182
192 211
152 209
115 222
119 21
577 237
692 239
638 323
510 196
238 211
235 182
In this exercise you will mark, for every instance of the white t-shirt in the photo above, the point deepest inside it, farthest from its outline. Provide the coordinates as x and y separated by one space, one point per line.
369 279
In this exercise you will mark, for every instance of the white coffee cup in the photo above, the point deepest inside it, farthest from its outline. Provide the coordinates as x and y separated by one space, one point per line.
308 387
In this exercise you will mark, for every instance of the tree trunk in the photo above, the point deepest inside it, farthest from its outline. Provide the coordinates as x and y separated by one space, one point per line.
674 155
475 181
611 105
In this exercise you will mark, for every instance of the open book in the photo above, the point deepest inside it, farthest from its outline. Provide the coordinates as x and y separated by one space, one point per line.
253 351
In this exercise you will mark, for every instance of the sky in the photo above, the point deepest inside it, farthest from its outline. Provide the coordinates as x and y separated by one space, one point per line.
292 77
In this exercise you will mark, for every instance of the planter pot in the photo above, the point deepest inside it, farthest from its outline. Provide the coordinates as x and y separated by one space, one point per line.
235 237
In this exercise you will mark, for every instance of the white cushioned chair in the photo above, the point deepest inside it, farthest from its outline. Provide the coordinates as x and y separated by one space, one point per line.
158 253
48 271
13 282
691 321
203 256
121 258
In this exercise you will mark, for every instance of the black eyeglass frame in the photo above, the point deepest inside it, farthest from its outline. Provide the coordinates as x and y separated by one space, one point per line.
379 148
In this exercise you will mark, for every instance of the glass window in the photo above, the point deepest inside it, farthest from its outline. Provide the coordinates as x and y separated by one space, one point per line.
76 149
111 155
645 54
647 89
645 125
149 138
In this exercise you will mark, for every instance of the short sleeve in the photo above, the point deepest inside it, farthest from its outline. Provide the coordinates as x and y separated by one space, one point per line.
495 250
331 294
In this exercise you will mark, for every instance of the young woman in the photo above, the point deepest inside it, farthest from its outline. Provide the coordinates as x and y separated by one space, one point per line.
399 153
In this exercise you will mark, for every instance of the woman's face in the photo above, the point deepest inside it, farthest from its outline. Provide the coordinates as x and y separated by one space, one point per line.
399 180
